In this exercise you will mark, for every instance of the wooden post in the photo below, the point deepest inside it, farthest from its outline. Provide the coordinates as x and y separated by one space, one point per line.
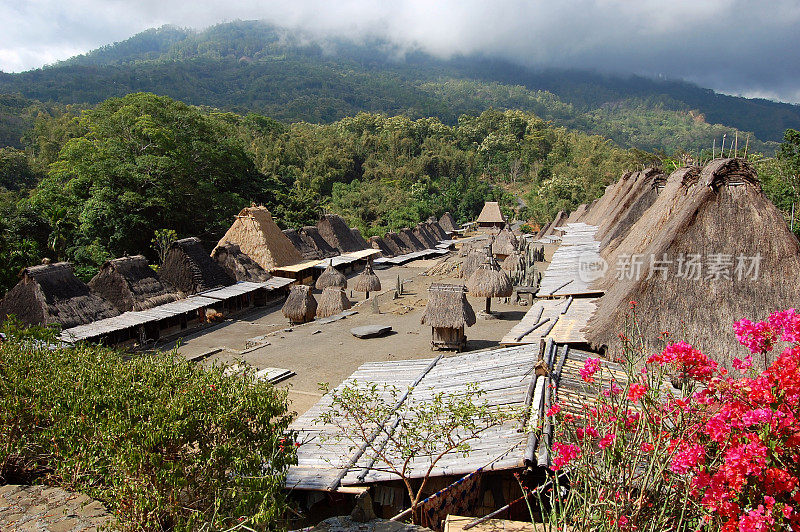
488 305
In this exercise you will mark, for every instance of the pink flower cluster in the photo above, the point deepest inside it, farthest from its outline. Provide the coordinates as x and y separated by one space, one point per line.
744 458
589 368
738 448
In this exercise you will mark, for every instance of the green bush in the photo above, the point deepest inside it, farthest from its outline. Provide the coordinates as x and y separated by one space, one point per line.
164 443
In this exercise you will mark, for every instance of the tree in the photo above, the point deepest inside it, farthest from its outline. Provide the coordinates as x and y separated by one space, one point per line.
162 240
398 430
146 162
789 155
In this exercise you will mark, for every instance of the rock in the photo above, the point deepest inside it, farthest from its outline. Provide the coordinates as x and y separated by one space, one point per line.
363 511
370 331
317 331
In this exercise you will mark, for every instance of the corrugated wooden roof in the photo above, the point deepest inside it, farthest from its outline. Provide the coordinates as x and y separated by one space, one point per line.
505 376
563 320
132 319
578 250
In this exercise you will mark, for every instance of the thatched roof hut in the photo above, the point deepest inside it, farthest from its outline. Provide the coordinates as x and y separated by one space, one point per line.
300 306
411 241
505 243
376 242
310 234
489 281
640 192
258 236
331 277
358 238
129 283
396 244
448 307
367 281
577 214
491 216
335 231
447 313
50 293
437 230
333 301
472 260
424 235
550 229
448 223
513 262
190 269
746 268
300 244
238 265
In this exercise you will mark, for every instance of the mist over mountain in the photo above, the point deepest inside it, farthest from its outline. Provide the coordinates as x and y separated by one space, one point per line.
293 75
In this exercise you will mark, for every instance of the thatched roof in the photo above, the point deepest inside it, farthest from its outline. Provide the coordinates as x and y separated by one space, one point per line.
310 234
300 306
472 260
238 265
723 212
358 238
513 262
396 244
258 236
333 301
50 293
190 269
367 281
491 214
505 243
309 243
448 223
379 243
411 241
555 223
129 283
448 307
577 214
331 277
490 281
335 231
424 235
640 192
436 229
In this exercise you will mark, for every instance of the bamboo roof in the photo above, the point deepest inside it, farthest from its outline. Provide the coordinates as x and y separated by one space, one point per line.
505 375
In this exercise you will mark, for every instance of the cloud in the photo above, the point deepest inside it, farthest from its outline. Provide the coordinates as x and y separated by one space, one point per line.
734 46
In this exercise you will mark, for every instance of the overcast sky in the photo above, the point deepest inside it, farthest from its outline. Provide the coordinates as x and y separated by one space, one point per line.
738 47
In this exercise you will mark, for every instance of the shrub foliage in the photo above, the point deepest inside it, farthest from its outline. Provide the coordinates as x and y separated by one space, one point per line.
164 443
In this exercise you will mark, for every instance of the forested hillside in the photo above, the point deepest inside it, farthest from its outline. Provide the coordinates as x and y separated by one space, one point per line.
97 184
253 67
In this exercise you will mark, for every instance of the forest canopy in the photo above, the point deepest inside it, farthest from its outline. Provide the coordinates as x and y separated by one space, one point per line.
97 183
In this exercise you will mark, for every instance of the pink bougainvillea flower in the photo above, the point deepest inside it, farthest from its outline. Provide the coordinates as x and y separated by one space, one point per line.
636 391
606 440
553 410
589 368
744 364
565 453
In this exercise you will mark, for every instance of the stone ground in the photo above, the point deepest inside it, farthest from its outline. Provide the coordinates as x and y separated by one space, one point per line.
42 508
328 352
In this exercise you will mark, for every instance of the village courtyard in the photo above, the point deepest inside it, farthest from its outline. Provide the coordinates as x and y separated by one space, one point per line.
324 351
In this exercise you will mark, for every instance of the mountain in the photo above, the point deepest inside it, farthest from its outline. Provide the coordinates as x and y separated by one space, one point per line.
291 76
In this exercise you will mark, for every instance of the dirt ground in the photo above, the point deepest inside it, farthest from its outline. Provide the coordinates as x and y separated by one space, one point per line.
329 352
